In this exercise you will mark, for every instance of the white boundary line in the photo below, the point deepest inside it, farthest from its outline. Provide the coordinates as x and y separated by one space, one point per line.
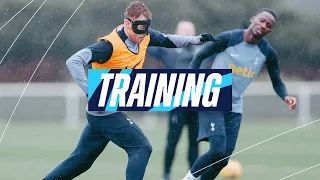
22 30
300 172
259 144
37 68
15 15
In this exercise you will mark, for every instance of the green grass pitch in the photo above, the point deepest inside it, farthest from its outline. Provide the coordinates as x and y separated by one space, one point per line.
29 151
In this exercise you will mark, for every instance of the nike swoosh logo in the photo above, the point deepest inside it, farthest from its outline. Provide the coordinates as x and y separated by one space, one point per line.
134 65
234 55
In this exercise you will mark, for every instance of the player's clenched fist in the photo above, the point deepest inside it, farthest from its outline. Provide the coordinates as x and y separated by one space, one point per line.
207 37
291 102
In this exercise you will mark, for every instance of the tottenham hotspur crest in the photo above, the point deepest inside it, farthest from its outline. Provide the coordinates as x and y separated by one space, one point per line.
212 126
256 59
128 119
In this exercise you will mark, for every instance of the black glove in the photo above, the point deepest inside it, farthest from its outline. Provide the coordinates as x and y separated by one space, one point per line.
207 37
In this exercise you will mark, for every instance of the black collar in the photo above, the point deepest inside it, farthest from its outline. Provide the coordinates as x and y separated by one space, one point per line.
122 35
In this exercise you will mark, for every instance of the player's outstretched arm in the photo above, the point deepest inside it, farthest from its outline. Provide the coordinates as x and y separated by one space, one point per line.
277 83
205 52
177 41
98 52
210 49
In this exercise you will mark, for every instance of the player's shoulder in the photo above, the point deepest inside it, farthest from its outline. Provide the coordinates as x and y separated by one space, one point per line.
101 51
267 49
238 32
101 46
234 33
155 33
232 37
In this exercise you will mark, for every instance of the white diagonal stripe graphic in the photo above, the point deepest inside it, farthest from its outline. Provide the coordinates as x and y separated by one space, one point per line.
300 172
16 14
258 144
22 31
36 70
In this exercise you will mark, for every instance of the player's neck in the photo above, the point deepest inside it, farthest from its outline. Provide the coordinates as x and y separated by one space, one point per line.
126 32
249 38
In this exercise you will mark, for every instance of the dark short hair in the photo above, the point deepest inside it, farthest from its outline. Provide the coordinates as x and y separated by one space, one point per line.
272 12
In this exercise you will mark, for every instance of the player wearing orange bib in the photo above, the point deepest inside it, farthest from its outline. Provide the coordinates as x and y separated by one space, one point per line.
124 48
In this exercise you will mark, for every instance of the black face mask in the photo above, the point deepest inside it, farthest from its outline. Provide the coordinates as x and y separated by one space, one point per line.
140 27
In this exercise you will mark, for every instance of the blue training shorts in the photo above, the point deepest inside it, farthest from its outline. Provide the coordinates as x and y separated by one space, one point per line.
215 123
